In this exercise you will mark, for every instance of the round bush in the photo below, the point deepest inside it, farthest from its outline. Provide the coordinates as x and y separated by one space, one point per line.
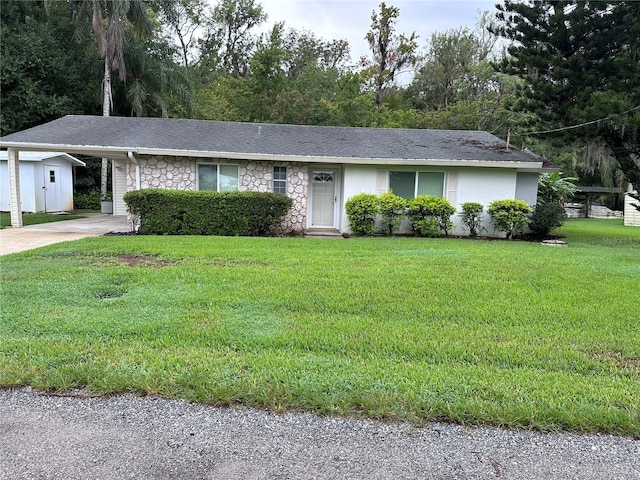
509 216
393 209
546 217
471 216
361 211
430 216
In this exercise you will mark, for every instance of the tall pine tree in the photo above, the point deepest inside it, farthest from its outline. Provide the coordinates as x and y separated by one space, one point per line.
581 63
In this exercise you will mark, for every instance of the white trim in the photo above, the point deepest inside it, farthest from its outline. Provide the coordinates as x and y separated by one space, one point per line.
28 156
337 189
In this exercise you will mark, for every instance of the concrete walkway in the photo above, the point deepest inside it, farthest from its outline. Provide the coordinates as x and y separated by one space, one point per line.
13 240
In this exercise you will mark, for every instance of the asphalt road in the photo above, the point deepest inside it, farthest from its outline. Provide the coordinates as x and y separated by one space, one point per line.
54 437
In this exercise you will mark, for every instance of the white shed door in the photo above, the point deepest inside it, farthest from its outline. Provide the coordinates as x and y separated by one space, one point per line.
52 201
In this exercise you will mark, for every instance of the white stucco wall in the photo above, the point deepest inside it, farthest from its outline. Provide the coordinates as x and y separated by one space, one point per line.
527 187
483 185
356 179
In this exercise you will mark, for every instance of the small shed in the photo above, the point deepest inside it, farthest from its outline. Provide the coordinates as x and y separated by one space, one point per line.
631 213
46 181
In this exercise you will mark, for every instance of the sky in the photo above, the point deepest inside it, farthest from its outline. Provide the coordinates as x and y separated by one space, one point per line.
351 19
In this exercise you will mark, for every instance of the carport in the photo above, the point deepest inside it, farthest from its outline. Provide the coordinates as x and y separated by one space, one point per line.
13 165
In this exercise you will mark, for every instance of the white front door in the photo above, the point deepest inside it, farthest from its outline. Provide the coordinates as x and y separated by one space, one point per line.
323 198
52 201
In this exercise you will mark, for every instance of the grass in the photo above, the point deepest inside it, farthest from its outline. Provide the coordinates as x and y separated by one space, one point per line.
35 218
512 334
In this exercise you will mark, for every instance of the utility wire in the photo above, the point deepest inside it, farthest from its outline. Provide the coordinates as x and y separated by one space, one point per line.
573 126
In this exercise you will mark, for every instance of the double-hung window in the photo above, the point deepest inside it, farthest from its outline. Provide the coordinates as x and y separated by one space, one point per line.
280 180
409 185
217 177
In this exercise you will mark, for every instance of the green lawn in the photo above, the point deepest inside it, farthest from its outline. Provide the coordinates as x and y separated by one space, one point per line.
478 332
35 218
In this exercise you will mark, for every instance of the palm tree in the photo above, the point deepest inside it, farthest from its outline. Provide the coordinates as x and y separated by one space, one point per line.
152 77
108 20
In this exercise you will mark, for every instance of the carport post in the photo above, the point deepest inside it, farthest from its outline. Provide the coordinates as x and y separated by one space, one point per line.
14 187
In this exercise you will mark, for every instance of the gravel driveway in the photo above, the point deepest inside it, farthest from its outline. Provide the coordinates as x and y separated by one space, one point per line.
118 437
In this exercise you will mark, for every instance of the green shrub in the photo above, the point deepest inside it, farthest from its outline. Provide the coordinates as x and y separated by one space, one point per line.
430 216
393 209
179 212
362 211
89 200
471 217
509 216
546 217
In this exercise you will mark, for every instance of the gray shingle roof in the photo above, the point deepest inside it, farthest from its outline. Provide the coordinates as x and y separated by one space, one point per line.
177 135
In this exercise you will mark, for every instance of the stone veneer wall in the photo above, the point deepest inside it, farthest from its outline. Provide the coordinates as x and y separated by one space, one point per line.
179 173
258 177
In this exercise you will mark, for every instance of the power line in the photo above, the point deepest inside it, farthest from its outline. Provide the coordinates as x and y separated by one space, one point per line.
574 126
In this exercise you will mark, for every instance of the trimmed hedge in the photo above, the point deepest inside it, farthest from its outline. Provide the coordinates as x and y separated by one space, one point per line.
180 212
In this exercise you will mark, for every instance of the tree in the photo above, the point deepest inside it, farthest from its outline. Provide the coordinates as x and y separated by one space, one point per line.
267 73
232 22
42 76
449 61
581 64
456 86
152 79
108 21
554 188
391 52
183 18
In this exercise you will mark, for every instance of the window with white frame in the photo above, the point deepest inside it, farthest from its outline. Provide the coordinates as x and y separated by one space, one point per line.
217 177
411 184
280 180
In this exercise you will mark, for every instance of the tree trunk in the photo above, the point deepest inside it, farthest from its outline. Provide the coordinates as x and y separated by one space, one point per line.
106 109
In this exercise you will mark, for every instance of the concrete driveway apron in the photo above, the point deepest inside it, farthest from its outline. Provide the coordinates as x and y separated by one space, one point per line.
13 240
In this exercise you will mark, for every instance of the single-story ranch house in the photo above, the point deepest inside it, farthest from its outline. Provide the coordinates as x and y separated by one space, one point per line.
320 168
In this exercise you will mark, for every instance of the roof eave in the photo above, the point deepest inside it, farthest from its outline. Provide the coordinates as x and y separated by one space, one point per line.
90 150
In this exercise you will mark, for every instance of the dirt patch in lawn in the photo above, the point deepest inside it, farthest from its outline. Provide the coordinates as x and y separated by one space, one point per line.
147 261
130 260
